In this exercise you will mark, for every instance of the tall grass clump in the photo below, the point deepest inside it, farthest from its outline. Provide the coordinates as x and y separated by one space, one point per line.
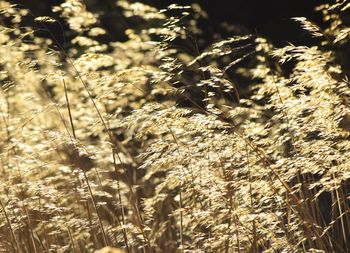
171 140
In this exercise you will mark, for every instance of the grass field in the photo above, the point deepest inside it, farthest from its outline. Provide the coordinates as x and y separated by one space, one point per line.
172 140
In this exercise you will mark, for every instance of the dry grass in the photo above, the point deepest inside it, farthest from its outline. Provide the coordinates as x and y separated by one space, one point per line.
152 145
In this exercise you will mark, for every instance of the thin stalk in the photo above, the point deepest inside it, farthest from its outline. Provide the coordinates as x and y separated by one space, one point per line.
180 192
255 238
122 222
30 230
105 239
342 222
347 218
10 226
227 243
181 224
123 218
237 235
41 242
46 236
94 240
71 239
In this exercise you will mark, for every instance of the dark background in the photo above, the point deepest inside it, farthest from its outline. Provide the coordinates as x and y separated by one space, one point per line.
269 18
